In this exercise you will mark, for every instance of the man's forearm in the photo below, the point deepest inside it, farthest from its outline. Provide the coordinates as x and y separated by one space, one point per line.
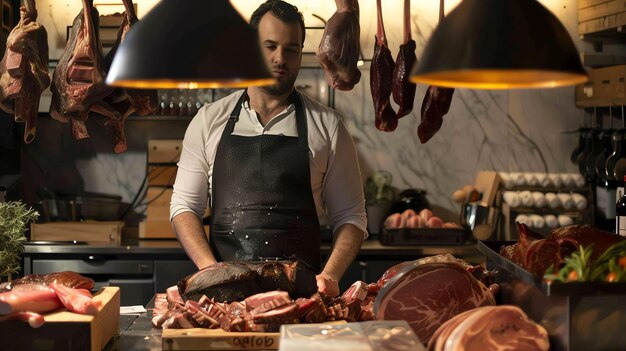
346 246
190 234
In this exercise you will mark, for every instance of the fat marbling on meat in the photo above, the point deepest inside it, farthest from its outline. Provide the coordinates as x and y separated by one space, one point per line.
427 295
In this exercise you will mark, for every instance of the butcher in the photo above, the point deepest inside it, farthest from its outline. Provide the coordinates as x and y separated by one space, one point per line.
272 164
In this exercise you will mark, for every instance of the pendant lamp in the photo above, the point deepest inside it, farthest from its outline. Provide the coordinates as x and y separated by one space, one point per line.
499 44
190 44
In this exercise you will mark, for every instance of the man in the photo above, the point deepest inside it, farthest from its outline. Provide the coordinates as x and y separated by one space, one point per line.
274 161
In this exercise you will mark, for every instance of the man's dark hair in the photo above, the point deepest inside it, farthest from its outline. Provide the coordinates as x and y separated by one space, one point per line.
281 10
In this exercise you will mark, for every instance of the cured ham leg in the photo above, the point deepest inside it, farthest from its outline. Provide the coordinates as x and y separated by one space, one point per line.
338 51
403 90
24 70
78 80
381 73
436 104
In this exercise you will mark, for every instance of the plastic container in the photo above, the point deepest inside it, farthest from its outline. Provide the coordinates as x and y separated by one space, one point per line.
578 316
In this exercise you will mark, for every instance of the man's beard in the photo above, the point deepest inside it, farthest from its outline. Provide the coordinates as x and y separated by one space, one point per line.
281 88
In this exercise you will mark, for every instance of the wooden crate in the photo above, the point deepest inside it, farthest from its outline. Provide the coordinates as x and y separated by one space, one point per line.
164 151
600 9
606 87
161 175
159 229
89 231
66 330
604 23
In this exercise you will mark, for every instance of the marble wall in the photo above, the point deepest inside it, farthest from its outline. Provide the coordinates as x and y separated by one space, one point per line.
521 130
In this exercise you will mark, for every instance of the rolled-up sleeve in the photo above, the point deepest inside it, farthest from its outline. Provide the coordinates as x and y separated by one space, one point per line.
192 180
342 189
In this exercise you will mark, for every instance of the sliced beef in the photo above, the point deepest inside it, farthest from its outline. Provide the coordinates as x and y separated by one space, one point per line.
24 70
381 72
236 280
338 51
403 90
490 328
428 295
264 302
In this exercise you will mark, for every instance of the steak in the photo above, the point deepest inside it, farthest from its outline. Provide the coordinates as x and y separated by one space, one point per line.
338 51
490 328
24 70
428 295
236 280
403 90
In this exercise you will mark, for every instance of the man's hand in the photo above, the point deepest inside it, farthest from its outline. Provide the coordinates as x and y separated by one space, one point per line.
327 285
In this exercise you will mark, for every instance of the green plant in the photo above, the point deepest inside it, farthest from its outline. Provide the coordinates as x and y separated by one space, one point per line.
14 217
378 189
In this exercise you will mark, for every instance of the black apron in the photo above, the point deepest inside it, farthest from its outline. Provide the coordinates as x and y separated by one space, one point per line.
262 203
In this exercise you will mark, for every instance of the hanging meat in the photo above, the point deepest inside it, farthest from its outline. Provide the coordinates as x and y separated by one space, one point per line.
78 80
338 51
24 70
403 90
435 105
127 101
381 73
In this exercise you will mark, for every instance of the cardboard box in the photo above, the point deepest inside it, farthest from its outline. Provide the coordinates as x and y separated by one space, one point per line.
89 231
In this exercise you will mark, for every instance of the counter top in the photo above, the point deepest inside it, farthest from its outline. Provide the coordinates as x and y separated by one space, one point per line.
172 247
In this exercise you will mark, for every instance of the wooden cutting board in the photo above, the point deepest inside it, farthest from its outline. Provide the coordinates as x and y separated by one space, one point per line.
218 339
65 330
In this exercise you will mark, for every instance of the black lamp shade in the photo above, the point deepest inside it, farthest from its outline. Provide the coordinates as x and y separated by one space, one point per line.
190 44
499 44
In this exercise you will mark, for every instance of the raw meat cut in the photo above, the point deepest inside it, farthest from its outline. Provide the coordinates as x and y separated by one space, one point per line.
67 278
78 81
381 73
403 90
490 328
236 280
24 70
436 104
429 294
76 300
126 101
338 51
29 297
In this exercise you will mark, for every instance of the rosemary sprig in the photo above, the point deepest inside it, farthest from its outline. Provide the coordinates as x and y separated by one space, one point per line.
14 217
579 267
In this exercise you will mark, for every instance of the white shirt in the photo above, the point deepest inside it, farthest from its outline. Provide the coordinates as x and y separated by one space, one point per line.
335 175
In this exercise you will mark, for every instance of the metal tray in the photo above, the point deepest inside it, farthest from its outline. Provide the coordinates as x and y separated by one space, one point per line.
423 236
585 316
